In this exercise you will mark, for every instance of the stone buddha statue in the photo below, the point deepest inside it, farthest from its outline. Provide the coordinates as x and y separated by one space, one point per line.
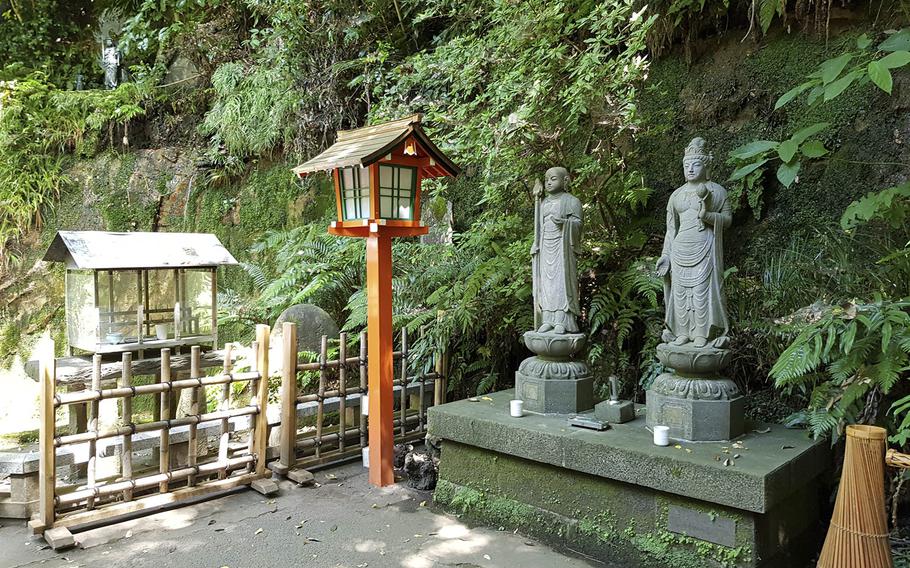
557 235
692 397
692 261
556 379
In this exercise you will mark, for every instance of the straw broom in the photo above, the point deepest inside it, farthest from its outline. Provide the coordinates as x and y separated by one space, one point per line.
858 535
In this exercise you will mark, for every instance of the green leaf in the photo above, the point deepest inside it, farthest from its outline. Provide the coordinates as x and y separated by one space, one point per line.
895 60
848 338
813 149
880 76
899 41
834 89
886 336
752 149
792 94
804 134
786 173
787 150
746 170
814 95
832 68
863 41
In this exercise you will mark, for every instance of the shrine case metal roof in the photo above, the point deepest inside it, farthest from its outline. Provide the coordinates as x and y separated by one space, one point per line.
367 145
100 250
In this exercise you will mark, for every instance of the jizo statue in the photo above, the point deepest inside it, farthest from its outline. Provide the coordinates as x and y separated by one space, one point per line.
557 241
110 62
692 262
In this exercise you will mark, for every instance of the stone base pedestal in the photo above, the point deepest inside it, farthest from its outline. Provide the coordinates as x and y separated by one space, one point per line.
555 396
615 496
555 382
697 420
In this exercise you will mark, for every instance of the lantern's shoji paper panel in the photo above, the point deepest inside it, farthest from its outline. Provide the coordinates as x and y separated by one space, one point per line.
81 312
396 192
355 192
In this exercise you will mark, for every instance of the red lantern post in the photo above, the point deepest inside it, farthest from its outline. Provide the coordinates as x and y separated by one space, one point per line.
378 172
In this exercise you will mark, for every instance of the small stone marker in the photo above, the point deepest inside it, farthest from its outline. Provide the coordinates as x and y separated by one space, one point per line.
703 526
59 538
265 486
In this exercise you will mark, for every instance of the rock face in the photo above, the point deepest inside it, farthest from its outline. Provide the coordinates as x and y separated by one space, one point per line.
312 323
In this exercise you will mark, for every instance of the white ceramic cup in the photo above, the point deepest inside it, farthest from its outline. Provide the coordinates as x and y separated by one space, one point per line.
161 330
661 435
516 408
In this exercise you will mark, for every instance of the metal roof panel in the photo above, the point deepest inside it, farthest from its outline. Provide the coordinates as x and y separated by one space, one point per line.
96 250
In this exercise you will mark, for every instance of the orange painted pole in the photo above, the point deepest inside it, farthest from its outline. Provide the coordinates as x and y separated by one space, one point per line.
379 355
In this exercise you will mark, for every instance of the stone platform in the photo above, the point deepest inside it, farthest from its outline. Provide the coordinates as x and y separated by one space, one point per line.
616 496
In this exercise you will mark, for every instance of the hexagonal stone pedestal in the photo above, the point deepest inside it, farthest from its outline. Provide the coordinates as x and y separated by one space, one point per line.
554 382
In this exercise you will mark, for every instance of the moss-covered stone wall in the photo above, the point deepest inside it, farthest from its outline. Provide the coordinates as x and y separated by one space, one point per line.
727 96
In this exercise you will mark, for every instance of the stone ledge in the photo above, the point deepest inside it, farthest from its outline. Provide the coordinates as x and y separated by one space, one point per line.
764 475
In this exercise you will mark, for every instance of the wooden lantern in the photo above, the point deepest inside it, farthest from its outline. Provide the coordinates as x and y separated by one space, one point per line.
378 172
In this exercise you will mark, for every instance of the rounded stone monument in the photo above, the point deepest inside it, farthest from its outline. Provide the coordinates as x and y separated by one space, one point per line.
312 323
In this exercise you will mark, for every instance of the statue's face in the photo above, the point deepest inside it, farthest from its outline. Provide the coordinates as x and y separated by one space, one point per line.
555 180
694 169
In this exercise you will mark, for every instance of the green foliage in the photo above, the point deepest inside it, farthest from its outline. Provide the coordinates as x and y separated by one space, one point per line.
252 111
827 82
39 126
844 356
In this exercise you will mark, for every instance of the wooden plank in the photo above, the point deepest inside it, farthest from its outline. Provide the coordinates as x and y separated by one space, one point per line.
94 406
47 472
192 449
153 501
126 453
363 388
287 451
342 387
403 398
164 447
261 421
225 405
320 393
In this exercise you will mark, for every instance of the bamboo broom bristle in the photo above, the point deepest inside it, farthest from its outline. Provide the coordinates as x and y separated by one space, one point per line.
858 535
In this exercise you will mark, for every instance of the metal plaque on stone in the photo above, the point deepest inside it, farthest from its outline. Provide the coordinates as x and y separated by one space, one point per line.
703 526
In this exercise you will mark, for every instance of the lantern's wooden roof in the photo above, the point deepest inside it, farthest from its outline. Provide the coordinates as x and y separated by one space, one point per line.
100 250
368 145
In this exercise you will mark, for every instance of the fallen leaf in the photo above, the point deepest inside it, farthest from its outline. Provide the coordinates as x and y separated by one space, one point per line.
331 476
763 430
258 531
786 447
486 557
423 503
678 447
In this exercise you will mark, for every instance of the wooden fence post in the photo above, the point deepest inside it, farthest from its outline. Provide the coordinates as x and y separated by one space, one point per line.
47 471
262 421
288 449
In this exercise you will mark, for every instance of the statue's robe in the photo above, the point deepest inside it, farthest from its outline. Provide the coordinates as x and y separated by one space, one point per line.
555 267
693 288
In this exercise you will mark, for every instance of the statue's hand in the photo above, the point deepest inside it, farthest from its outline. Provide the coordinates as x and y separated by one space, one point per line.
702 210
663 266
559 221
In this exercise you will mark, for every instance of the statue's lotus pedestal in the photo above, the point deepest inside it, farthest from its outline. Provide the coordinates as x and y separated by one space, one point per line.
694 401
553 381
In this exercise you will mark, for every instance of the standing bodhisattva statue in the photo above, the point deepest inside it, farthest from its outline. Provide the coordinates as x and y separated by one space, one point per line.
557 240
692 261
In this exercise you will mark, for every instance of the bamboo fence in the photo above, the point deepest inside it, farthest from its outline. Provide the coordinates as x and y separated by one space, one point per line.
345 436
128 492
